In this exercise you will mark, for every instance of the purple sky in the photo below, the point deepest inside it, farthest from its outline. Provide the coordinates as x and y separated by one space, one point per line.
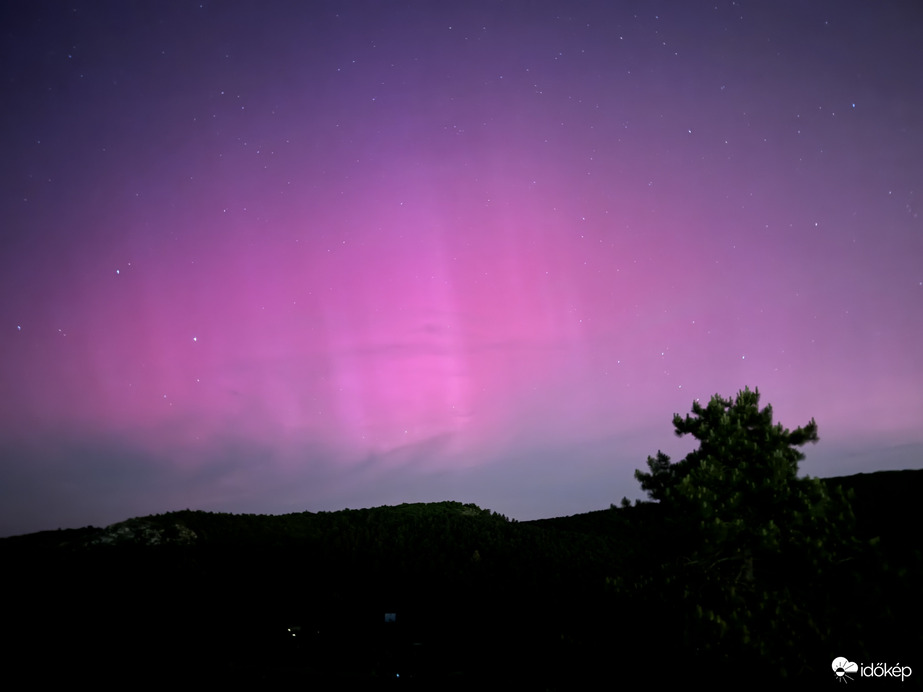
272 257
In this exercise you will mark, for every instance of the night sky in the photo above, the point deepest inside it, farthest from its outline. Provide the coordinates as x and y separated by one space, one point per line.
284 256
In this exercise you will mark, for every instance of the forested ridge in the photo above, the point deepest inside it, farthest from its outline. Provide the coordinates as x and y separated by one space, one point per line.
466 592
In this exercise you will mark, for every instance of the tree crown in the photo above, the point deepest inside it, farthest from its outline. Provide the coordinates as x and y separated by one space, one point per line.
738 443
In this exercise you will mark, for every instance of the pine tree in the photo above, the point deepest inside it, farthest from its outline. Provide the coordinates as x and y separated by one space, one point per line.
751 544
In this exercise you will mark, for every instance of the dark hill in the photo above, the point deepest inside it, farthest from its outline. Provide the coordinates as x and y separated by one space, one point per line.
446 595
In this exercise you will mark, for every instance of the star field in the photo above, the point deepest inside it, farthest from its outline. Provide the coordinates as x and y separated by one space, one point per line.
274 256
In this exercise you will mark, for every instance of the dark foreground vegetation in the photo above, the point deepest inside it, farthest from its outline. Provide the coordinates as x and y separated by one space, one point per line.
450 596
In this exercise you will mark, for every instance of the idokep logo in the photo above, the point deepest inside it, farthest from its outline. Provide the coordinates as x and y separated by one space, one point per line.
842 667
